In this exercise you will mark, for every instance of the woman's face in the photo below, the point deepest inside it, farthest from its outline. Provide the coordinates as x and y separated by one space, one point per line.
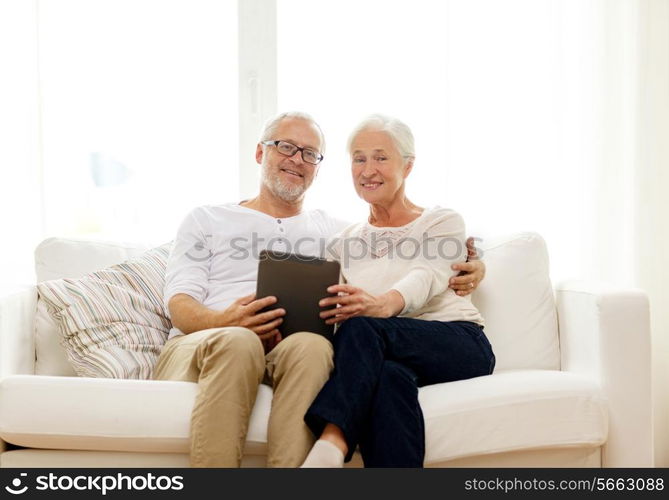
377 167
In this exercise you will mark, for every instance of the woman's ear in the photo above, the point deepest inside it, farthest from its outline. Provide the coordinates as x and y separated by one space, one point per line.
408 166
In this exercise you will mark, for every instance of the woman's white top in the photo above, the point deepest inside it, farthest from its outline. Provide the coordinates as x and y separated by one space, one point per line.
414 259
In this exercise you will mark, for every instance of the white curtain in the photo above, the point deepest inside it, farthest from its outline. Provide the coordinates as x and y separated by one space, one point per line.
626 143
21 215
632 170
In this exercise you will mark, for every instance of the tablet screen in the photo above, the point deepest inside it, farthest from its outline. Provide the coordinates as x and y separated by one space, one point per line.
298 282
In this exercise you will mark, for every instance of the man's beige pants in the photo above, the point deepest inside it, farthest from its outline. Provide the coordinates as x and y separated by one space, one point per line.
228 364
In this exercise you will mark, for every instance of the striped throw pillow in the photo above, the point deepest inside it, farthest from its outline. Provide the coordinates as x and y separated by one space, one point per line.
113 322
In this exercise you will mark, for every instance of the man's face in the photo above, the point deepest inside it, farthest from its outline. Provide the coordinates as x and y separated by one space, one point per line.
289 177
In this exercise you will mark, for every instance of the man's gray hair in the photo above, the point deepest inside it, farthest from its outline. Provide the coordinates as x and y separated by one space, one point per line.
399 132
272 124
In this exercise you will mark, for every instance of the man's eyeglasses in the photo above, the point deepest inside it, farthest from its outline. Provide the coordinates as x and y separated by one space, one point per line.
288 149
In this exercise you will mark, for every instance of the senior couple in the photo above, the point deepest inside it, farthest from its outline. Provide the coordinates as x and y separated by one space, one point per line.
403 323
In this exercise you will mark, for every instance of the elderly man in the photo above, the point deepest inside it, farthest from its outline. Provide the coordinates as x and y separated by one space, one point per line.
222 339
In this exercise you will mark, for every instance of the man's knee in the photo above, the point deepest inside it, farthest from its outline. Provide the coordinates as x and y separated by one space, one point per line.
303 354
306 346
234 341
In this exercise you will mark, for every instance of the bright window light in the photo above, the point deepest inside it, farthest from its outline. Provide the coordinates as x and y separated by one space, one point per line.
492 91
140 113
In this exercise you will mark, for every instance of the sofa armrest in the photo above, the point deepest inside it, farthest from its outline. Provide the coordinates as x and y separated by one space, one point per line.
17 325
605 334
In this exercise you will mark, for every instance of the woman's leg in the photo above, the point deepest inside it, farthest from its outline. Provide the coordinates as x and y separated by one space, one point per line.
395 435
329 451
434 351
419 353
439 351
346 398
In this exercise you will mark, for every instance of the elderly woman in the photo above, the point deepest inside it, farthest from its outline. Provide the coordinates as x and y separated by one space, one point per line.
401 326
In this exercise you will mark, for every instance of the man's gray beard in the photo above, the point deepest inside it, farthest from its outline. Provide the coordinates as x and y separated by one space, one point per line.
284 191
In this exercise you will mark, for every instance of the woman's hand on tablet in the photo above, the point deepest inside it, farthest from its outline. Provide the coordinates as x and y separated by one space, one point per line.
353 301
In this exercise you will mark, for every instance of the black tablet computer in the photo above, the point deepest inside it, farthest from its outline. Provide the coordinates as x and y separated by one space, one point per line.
298 282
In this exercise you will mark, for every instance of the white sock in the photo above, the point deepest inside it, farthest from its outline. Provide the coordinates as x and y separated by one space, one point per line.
324 454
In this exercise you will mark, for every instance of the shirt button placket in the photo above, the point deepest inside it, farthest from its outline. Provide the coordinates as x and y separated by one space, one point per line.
281 231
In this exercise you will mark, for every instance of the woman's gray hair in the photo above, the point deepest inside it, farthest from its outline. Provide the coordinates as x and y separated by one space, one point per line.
272 124
399 132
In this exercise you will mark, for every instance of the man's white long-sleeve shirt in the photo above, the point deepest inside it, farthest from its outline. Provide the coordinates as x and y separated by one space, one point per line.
214 257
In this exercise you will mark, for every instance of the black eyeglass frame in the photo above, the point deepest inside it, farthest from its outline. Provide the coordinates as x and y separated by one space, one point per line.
297 148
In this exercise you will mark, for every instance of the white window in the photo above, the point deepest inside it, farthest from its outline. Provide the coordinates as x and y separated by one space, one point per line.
140 113
490 89
150 107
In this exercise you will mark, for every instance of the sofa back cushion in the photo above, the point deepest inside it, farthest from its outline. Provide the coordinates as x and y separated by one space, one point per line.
517 302
57 258
516 298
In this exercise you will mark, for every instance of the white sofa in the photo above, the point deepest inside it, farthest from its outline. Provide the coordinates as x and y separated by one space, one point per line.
571 387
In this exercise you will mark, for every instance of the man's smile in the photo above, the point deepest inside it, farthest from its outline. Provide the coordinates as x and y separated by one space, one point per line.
292 172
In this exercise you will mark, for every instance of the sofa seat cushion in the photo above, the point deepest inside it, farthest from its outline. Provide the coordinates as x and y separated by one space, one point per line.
79 413
512 410
505 411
